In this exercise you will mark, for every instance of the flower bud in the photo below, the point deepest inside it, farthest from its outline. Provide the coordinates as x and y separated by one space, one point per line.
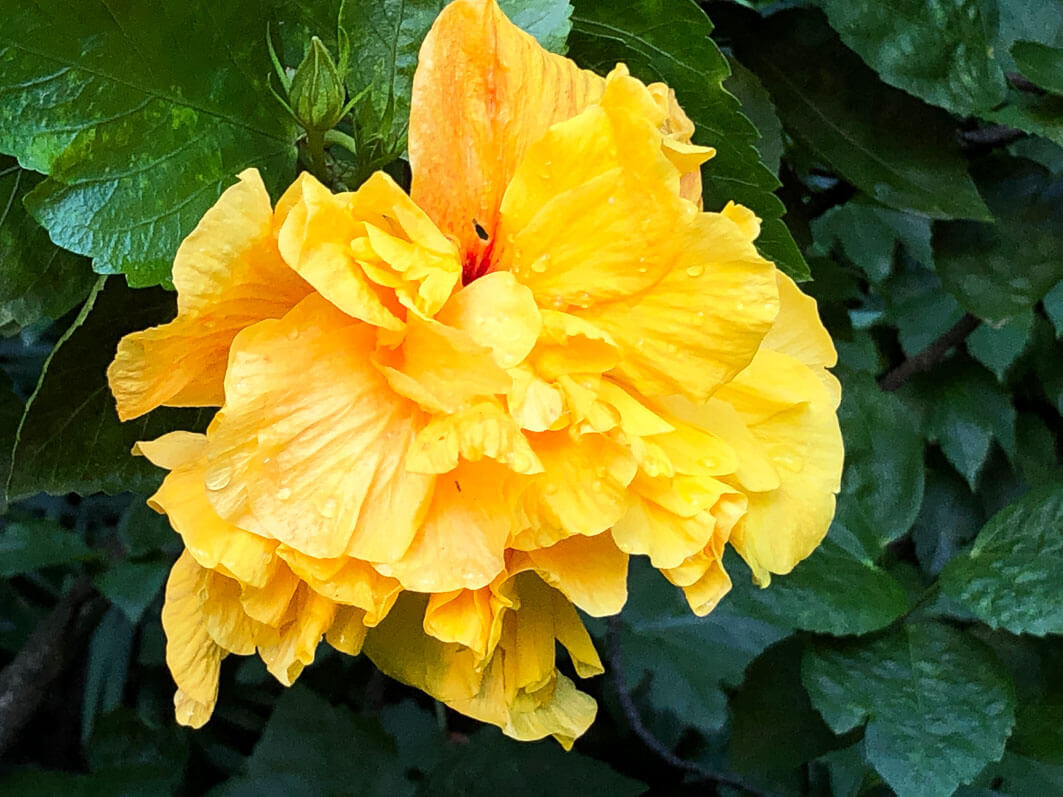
317 90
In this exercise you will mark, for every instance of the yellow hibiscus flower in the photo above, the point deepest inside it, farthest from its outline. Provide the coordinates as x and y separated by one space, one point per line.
447 418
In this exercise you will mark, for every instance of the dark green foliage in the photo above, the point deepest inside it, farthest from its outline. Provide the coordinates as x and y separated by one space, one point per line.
917 651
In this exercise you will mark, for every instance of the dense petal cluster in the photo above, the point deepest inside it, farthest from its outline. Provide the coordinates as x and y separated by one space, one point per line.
448 418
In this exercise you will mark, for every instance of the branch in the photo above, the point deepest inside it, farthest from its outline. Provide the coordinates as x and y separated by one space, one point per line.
634 719
25 681
931 355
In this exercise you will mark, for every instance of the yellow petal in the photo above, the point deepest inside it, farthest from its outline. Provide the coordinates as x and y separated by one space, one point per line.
442 368
271 604
461 544
482 81
212 541
400 648
227 622
481 430
702 323
309 447
582 490
472 618
592 210
315 240
347 633
799 333
173 449
313 615
534 403
498 313
671 519
194 659
589 571
570 345
228 275
346 581
804 445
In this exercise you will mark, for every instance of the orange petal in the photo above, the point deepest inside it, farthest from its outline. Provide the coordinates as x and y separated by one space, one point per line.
589 571
309 447
228 275
483 82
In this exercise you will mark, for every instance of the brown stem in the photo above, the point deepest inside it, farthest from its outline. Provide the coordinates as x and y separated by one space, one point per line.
931 355
1022 83
25 681
634 719
990 137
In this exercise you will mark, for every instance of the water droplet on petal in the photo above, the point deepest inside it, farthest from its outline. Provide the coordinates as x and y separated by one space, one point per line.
328 509
218 478
695 271
284 493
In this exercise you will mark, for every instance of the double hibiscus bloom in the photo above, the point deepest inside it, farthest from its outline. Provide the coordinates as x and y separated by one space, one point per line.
447 418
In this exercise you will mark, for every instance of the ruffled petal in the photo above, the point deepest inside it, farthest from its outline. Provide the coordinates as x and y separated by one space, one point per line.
589 571
462 541
484 429
228 275
702 323
498 313
311 616
582 490
309 447
193 657
482 81
803 443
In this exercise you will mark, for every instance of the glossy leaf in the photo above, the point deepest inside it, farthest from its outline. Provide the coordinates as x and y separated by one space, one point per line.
757 105
1042 64
682 55
132 586
999 270
836 106
688 659
937 705
141 115
37 280
997 347
965 410
941 51
831 592
882 485
870 235
1010 578
70 439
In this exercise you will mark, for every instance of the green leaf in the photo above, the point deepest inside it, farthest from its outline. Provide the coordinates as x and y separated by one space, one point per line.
27 545
869 234
937 704
1053 303
965 410
143 531
837 107
882 485
70 439
997 347
1042 64
132 586
688 659
757 105
681 53
386 36
831 592
774 728
490 764
948 520
1000 270
1010 578
918 307
312 747
107 670
37 280
942 52
142 114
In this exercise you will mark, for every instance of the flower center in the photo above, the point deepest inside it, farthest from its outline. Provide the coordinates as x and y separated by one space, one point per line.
477 258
